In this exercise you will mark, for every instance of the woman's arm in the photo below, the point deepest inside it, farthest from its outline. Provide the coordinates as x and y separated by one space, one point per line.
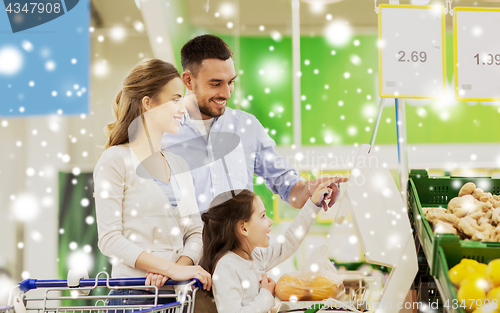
152 263
109 190
192 237
185 260
159 280
190 218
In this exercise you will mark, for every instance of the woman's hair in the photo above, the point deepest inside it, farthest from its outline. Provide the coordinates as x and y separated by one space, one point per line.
146 79
219 233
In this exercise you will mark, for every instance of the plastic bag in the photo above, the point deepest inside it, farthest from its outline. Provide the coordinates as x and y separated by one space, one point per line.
317 281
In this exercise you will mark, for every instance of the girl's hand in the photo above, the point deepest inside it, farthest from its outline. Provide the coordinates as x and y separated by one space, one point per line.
183 272
321 193
313 184
157 280
268 283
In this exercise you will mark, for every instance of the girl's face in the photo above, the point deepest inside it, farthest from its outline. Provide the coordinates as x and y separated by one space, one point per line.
259 226
167 114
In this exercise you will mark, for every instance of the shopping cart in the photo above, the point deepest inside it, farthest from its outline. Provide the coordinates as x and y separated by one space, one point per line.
48 301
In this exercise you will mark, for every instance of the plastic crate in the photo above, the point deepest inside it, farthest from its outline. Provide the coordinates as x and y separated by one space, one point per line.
438 291
446 260
425 191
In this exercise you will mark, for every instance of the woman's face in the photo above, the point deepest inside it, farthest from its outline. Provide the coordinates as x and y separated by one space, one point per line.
168 108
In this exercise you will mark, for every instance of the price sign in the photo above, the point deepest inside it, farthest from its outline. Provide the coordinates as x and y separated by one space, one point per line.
477 54
412 51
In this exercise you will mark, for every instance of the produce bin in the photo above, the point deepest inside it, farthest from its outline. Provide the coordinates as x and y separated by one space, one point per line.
425 191
446 259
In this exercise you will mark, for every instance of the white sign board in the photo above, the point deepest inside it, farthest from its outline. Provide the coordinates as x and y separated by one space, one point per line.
412 51
477 54
380 218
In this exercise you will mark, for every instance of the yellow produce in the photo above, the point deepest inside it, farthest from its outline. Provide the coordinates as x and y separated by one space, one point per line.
323 288
480 280
290 287
493 271
480 268
494 294
459 272
468 294
470 262
490 308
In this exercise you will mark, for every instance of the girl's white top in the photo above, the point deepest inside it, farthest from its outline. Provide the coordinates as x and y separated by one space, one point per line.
134 214
236 281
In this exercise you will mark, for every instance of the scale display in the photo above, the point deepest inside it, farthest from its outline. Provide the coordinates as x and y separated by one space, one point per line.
477 54
412 51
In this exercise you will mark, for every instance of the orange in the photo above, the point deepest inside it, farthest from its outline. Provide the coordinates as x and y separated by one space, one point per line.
290 287
493 271
322 288
468 294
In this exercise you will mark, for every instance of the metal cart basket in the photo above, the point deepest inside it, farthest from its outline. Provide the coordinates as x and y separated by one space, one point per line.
21 300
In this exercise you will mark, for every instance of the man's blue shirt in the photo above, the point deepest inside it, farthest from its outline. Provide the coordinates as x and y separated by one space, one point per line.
238 147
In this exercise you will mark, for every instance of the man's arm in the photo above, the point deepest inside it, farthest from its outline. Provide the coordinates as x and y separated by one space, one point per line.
280 177
299 195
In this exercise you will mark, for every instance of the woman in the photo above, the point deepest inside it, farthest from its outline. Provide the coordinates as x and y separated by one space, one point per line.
147 217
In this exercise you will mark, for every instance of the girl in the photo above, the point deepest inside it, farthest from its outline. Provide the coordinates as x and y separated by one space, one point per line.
236 248
147 219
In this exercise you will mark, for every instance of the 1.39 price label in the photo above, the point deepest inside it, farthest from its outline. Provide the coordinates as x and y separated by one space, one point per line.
411 51
477 54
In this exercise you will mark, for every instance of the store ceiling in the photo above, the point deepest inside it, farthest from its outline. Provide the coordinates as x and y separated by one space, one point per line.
276 15
248 15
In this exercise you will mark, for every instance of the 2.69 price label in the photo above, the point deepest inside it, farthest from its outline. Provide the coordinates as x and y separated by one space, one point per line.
411 51
415 56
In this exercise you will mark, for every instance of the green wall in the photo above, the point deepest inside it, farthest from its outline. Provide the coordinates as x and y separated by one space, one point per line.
437 122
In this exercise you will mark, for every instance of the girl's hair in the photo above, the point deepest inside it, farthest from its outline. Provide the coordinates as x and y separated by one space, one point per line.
219 232
147 78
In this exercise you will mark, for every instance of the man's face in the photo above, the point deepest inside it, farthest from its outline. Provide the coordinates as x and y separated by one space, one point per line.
213 86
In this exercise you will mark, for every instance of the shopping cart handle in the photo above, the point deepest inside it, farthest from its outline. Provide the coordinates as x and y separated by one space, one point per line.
29 284
198 284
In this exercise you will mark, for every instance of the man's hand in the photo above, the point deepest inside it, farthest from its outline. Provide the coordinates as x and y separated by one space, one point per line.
313 184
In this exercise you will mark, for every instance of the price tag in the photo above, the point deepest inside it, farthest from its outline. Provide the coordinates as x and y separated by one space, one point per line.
412 51
477 54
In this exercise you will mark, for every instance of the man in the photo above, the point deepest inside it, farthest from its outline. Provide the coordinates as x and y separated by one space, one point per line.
226 147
